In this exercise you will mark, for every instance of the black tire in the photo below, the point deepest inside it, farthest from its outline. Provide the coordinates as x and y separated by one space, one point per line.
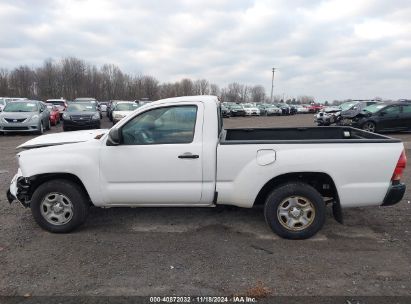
73 192
369 126
279 196
41 130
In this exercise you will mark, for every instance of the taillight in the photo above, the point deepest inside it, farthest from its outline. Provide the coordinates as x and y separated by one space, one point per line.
401 164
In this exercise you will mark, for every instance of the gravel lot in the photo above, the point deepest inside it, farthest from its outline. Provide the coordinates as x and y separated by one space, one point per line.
203 251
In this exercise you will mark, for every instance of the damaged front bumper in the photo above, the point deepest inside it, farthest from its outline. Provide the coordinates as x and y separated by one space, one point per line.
18 191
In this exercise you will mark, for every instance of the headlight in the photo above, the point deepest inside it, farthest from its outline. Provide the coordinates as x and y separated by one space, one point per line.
96 116
66 116
34 118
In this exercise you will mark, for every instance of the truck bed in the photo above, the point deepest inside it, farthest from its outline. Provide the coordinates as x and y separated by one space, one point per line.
320 135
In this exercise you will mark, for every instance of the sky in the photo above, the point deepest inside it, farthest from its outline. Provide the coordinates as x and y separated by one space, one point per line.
336 49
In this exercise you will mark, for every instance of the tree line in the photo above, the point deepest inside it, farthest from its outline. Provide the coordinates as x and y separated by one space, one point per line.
72 77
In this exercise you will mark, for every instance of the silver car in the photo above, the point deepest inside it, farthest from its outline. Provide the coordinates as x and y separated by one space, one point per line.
25 116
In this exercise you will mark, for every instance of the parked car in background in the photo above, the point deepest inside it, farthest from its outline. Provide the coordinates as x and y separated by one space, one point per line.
112 105
236 110
342 114
285 109
122 109
348 113
251 110
61 104
327 116
301 109
81 115
268 109
90 100
262 108
272 110
293 109
54 114
225 111
25 116
103 106
315 108
383 117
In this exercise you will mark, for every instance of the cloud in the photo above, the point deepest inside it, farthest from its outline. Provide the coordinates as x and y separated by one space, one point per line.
329 49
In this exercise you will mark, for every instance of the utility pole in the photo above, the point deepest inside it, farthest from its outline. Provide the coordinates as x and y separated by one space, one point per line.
272 86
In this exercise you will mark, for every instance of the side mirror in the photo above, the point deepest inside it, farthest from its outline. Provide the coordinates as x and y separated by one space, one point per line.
41 110
114 137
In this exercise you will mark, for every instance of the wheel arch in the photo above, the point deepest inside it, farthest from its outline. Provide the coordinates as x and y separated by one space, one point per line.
321 181
36 180
370 120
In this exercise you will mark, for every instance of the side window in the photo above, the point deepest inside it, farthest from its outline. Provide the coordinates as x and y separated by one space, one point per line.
394 110
406 109
168 125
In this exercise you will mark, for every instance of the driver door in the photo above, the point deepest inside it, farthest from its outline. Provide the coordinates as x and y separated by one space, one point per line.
159 159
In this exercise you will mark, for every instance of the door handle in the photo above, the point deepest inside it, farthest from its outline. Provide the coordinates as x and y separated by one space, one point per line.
188 155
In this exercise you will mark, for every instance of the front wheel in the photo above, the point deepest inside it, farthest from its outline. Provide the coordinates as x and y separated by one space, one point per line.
41 129
59 206
369 126
295 211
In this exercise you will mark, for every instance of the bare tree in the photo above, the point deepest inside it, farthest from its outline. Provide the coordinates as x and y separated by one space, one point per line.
22 82
48 80
234 92
214 89
201 87
257 93
4 85
72 77
186 87
150 87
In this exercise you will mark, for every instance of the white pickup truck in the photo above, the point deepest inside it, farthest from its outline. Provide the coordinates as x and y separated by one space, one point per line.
175 152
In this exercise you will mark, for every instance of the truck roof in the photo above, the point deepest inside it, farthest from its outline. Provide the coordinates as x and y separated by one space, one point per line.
204 98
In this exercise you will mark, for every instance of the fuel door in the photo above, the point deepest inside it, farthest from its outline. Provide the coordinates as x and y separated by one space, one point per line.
265 157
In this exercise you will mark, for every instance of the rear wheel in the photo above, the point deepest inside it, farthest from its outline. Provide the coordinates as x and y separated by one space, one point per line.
59 206
295 211
369 126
